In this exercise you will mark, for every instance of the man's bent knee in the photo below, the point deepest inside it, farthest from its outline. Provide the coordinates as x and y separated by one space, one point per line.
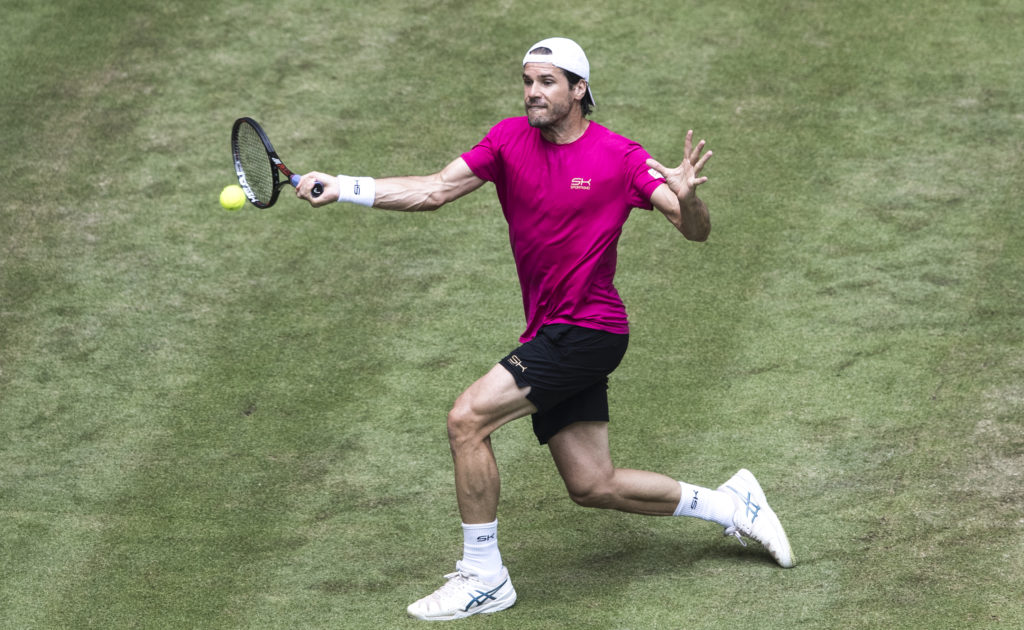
490 402
464 425
594 495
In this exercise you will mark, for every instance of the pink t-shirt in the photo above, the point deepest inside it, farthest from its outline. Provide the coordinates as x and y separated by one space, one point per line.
565 206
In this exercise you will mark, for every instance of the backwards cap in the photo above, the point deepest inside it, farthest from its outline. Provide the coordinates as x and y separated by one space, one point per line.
565 54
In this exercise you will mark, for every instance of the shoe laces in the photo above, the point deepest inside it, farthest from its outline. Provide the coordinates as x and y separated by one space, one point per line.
732 530
454 581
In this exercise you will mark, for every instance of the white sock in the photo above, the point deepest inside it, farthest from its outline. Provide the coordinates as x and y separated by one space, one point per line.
710 505
480 553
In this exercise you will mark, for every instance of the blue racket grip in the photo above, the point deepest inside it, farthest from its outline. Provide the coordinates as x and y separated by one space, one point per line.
318 188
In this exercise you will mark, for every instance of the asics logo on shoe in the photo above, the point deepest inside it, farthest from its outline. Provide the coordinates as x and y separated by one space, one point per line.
482 597
752 508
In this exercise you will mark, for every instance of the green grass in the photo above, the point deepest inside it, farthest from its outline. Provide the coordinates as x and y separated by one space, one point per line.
236 420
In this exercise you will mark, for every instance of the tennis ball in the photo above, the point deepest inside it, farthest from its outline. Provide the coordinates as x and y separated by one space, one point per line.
232 197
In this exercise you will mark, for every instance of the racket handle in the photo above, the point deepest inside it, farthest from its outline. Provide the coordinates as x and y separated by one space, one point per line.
318 188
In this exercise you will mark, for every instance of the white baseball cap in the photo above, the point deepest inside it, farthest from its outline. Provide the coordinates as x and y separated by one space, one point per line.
565 54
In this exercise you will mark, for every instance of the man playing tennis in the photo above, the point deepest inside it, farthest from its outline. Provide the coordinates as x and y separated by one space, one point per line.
566 186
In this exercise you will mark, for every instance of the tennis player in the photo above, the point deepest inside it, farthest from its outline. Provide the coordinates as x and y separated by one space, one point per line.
566 186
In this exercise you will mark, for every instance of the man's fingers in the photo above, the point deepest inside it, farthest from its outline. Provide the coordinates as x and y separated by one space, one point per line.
656 165
702 161
302 190
688 144
693 155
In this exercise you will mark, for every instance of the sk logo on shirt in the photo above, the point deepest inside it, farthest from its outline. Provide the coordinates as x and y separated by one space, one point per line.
578 183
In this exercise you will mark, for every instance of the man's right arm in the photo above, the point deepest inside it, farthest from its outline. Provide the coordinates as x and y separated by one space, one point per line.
408 194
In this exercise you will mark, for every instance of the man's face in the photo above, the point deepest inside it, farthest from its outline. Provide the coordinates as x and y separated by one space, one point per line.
546 94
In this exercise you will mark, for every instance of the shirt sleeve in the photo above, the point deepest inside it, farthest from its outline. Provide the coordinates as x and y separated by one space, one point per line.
484 159
643 179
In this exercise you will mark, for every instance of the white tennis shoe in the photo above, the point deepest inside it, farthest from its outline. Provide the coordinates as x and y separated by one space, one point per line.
755 519
465 594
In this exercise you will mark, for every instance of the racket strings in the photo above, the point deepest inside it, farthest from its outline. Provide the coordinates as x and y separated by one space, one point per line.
252 156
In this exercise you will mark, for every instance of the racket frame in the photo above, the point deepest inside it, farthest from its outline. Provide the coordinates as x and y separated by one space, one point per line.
277 167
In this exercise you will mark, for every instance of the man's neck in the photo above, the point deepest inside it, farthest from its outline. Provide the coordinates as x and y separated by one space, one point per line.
567 133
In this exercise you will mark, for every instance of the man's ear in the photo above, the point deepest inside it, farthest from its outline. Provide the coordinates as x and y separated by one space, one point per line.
579 91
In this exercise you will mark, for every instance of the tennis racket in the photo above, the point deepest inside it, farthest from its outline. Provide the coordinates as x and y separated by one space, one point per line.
257 165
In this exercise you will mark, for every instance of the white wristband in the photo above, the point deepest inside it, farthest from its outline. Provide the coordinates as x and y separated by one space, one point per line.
359 190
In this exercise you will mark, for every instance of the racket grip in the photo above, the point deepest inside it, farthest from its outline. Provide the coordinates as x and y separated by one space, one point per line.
318 188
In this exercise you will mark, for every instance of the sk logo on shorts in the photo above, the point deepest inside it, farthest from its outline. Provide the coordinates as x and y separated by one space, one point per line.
517 362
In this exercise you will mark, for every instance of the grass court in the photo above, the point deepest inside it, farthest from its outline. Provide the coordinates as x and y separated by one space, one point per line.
236 420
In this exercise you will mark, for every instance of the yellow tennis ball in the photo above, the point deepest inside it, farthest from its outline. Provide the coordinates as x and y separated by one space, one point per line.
232 197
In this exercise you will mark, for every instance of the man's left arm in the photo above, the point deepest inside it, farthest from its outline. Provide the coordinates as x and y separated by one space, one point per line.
677 198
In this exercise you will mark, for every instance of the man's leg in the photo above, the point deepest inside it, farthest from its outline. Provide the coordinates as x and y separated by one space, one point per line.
582 456
583 459
480 583
490 402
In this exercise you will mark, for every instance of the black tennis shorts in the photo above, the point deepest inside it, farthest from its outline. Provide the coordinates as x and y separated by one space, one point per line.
566 368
